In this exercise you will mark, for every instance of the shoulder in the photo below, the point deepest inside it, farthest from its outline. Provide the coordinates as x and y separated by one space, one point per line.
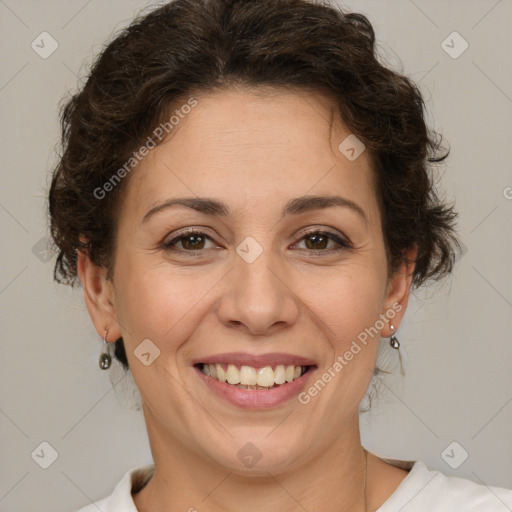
121 498
425 490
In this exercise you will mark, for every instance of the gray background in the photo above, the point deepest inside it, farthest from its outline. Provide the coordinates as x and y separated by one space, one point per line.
456 341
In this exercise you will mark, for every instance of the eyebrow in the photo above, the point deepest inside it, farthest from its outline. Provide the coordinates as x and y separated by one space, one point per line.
295 206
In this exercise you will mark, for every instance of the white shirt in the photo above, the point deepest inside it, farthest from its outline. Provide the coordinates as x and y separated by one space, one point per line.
422 490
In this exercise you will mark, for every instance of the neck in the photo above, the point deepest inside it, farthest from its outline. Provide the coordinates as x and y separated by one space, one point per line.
333 481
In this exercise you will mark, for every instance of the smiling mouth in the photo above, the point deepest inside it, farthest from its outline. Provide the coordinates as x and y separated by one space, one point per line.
248 377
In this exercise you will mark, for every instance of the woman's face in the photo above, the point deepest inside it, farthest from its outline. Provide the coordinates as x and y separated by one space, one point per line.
255 288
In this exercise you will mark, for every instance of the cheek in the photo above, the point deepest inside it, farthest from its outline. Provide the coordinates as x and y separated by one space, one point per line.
350 309
349 301
158 304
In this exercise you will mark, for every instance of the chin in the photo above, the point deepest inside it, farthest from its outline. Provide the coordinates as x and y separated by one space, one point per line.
253 452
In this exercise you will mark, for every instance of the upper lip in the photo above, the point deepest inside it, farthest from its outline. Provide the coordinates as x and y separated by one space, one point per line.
256 361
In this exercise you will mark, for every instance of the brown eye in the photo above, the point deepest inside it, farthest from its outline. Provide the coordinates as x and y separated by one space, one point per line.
193 242
319 241
190 241
315 241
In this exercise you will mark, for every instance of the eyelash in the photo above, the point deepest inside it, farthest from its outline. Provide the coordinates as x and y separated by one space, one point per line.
343 244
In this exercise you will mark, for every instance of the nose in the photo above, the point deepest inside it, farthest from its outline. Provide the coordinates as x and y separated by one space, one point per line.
258 297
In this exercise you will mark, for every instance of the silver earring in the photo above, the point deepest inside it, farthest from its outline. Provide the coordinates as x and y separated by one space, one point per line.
392 340
105 357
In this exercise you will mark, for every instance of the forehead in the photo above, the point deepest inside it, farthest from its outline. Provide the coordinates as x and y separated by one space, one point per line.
250 148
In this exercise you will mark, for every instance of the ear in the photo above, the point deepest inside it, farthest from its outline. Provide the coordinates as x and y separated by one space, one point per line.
99 296
398 290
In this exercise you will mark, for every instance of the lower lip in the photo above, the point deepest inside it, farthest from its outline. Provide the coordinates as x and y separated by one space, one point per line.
256 398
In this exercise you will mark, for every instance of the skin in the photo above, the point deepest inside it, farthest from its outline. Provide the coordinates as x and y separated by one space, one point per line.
254 150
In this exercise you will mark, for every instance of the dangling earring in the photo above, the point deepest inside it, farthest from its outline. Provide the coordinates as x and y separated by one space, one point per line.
392 340
105 357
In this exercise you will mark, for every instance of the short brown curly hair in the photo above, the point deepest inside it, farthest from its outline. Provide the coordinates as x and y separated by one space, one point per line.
190 46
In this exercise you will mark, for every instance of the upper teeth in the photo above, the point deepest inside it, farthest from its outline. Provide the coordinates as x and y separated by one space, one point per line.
249 376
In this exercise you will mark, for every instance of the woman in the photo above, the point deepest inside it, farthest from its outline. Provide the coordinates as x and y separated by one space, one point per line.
246 199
